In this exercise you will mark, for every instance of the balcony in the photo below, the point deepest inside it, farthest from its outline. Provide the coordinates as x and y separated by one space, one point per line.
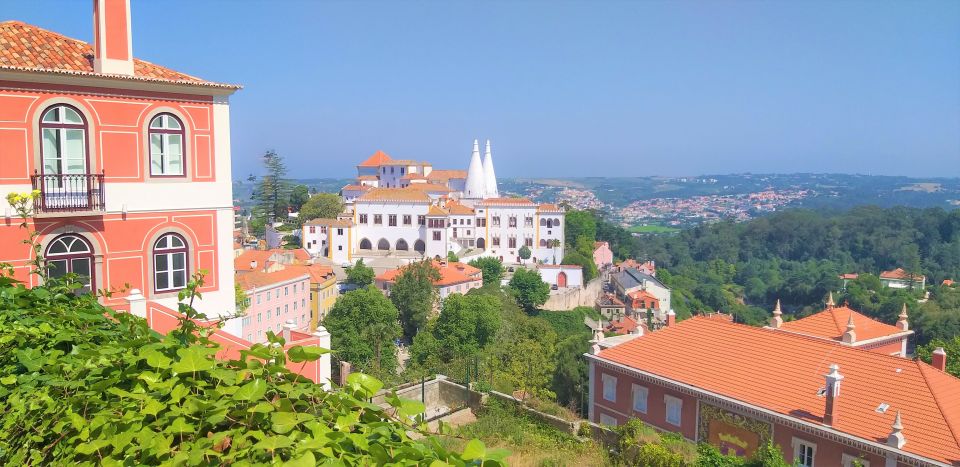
68 193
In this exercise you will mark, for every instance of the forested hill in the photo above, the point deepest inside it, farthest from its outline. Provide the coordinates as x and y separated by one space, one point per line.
797 255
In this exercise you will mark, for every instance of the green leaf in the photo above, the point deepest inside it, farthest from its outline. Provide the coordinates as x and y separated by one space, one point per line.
8 380
474 450
410 408
299 353
284 422
179 425
152 407
306 460
193 359
369 384
251 391
31 359
272 443
262 407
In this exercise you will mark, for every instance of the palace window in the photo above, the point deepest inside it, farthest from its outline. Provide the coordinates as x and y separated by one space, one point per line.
513 221
481 222
436 235
64 148
339 231
392 220
170 263
512 242
609 388
421 220
407 219
528 222
363 218
495 220
71 254
378 219
166 145
640 394
496 241
674 409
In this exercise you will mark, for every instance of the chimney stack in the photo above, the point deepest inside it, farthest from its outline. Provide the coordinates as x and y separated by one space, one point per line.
830 413
671 318
112 44
896 438
253 264
939 359
902 323
777 319
850 336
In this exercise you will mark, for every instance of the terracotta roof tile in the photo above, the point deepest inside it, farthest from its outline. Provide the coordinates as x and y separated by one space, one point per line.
899 273
783 372
450 274
458 209
393 194
831 323
376 160
446 174
258 279
549 208
506 202
436 211
24 47
330 222
356 188
429 187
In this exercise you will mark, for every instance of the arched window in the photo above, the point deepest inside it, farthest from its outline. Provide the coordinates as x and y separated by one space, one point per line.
402 245
419 246
543 242
169 263
166 146
64 150
482 243
383 244
71 254
365 244
543 222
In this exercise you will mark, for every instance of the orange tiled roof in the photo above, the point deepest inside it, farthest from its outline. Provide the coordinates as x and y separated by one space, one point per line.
318 273
458 209
549 208
258 279
506 202
394 194
901 274
948 282
413 176
367 177
242 263
450 274
429 187
436 211
376 160
782 372
356 188
330 222
849 276
24 47
831 323
446 174
624 326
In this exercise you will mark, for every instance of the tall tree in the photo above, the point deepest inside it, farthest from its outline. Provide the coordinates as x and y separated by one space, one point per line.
298 196
321 206
271 193
363 327
360 274
579 224
524 252
530 289
491 268
414 295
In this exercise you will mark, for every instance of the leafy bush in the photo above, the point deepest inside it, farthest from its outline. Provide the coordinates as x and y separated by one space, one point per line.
83 384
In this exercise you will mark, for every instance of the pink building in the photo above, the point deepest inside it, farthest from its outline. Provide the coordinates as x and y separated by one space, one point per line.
602 254
273 299
737 387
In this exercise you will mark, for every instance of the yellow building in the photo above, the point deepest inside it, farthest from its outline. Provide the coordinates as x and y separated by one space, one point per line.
323 291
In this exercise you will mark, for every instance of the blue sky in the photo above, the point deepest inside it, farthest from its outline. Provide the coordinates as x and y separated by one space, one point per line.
569 88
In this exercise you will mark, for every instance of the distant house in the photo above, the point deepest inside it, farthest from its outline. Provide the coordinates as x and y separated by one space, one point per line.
846 278
948 283
624 325
845 326
274 298
656 297
455 277
901 279
561 275
647 267
611 307
602 254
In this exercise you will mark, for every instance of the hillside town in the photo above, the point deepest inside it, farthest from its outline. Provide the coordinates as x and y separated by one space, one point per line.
147 318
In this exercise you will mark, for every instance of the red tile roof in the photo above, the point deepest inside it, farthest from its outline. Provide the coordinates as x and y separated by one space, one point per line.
356 188
782 372
258 279
831 323
24 47
505 202
850 276
458 209
552 208
429 187
446 174
394 194
376 160
625 326
450 274
242 263
900 274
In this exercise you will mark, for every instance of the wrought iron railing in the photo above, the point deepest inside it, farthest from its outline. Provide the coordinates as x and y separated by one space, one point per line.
68 192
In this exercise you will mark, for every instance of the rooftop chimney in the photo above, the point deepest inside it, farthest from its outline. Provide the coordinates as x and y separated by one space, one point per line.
112 44
850 336
253 264
939 359
896 438
671 318
902 323
833 391
777 320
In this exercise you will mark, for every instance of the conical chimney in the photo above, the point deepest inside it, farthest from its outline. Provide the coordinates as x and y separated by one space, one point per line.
476 183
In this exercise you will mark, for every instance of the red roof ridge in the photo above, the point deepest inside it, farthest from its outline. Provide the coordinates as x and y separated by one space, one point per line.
952 424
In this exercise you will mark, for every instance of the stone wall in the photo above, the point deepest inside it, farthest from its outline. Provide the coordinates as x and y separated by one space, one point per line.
574 297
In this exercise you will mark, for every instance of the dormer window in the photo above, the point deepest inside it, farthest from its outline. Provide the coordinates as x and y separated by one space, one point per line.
166 146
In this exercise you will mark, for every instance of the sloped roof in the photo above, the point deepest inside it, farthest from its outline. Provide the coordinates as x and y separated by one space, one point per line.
505 202
458 209
242 263
444 174
259 279
609 300
450 273
429 187
356 188
317 272
783 372
552 208
376 160
831 323
900 274
436 211
629 278
394 194
624 326
24 47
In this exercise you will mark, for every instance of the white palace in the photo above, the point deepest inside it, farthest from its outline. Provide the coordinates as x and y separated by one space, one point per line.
408 210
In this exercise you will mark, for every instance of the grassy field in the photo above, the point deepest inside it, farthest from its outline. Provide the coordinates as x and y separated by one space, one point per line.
529 442
655 229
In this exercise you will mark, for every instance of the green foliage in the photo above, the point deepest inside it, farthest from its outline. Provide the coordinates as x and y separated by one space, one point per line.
585 262
414 295
272 193
951 347
298 196
363 327
291 242
530 289
240 298
321 206
524 252
452 342
360 274
579 224
570 379
81 384
452 257
491 268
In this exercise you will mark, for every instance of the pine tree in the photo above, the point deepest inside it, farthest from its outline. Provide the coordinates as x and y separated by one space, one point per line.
272 193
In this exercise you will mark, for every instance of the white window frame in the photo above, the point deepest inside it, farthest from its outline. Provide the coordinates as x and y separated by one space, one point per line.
795 444
846 460
640 393
670 401
607 420
612 381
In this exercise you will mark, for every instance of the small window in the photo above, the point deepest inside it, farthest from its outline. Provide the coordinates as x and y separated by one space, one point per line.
804 452
436 235
609 388
607 420
674 410
640 394
378 219
170 263
166 146
407 219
